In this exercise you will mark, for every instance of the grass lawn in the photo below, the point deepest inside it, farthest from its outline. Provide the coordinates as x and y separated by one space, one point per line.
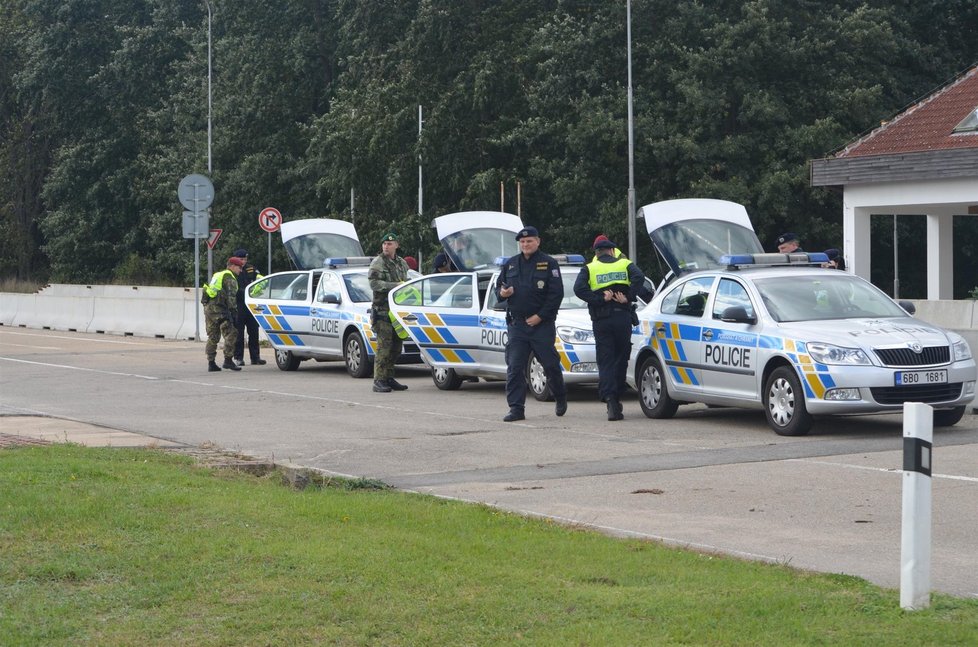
141 547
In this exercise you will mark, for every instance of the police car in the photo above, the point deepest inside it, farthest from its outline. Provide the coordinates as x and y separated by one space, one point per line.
734 326
320 311
457 322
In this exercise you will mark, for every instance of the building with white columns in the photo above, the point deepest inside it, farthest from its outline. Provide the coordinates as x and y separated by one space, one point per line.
923 162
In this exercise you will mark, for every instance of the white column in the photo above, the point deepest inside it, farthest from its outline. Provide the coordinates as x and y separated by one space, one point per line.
856 239
940 256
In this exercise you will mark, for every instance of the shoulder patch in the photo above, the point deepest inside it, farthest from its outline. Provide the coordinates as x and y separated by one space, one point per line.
556 273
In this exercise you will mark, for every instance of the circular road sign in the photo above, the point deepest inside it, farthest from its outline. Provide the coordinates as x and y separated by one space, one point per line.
195 192
270 219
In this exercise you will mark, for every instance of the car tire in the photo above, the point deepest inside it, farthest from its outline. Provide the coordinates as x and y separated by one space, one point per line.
653 393
286 361
536 378
446 379
784 403
948 417
358 362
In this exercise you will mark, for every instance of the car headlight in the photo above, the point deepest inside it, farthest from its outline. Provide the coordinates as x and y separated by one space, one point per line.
572 335
960 350
831 354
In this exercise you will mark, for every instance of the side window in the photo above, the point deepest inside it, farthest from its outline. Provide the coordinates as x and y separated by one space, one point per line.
437 292
670 301
289 286
329 289
693 295
731 293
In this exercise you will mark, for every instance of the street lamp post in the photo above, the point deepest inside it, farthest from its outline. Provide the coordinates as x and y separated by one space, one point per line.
631 139
210 252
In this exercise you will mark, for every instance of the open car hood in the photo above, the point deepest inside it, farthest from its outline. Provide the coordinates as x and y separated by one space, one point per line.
310 242
474 239
691 234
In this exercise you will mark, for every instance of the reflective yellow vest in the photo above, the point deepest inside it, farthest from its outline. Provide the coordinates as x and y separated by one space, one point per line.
602 275
214 287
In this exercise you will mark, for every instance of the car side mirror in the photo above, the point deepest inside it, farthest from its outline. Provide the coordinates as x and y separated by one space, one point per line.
909 307
737 314
331 298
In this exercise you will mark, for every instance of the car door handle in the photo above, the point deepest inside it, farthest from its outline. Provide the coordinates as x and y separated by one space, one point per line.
661 330
410 318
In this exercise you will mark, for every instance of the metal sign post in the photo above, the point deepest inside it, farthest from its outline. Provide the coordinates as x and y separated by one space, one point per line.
196 193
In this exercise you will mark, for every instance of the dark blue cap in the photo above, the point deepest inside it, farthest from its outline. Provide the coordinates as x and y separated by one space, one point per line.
787 237
527 231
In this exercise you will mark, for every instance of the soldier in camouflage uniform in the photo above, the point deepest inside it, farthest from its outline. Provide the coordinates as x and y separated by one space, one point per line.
220 312
387 271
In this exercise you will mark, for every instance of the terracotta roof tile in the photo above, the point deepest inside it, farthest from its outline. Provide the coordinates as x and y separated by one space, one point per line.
927 125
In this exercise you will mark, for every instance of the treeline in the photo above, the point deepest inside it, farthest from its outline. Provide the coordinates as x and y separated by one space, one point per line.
103 108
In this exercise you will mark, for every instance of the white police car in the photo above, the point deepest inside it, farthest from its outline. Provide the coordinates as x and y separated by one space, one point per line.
454 319
320 311
734 326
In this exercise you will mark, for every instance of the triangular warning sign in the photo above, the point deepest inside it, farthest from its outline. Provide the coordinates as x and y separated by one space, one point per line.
212 239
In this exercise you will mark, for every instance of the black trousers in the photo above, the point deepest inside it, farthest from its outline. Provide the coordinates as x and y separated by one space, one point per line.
613 344
539 340
246 321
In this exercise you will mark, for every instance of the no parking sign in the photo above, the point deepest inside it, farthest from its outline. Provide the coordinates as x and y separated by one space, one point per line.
270 220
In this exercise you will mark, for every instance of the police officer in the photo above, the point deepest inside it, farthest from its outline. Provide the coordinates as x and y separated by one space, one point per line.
246 321
387 271
789 243
609 285
532 288
220 310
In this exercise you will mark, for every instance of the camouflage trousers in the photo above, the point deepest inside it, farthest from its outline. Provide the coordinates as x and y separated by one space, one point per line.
388 348
217 327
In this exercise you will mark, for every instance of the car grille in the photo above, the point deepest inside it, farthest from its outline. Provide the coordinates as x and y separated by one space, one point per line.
930 356
920 393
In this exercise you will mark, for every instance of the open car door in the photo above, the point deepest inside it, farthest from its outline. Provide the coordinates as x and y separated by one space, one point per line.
310 242
474 239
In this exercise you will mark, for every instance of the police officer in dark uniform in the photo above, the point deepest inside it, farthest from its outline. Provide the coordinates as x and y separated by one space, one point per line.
609 285
531 287
245 320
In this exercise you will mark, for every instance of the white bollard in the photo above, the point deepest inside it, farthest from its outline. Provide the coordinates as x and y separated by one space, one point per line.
918 434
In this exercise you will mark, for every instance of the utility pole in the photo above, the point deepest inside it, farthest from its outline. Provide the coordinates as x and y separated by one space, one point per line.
631 140
210 169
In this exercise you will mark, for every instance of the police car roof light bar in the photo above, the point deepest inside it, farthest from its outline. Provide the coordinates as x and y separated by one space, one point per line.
335 261
734 261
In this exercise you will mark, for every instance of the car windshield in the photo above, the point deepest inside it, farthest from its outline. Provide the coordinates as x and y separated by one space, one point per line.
833 295
358 287
698 243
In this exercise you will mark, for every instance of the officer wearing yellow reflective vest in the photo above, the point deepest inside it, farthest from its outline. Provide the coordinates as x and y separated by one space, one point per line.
387 271
609 285
220 312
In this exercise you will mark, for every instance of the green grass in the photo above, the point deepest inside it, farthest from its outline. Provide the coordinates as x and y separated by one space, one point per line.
139 547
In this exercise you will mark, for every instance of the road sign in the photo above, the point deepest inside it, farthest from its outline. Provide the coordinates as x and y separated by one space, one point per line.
212 239
195 225
270 219
196 192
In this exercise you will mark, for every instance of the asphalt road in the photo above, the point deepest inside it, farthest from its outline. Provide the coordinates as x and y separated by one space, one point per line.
717 480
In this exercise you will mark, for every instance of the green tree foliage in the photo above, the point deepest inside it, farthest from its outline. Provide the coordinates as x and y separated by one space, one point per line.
103 108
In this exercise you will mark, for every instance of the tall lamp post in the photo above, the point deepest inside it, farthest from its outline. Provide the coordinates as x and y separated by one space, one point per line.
631 139
210 252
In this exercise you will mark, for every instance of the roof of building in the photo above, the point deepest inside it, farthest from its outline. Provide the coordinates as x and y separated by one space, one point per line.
927 125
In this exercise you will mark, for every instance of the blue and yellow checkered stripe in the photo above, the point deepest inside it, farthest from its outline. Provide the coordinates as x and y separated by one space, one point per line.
816 378
668 338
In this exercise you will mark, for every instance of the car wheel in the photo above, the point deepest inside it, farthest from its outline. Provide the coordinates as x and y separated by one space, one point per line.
653 395
358 363
537 379
286 361
784 403
948 417
446 379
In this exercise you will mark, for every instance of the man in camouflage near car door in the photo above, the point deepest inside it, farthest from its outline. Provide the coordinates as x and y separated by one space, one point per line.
220 313
387 271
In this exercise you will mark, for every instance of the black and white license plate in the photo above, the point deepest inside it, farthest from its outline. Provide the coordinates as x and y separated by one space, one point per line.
913 378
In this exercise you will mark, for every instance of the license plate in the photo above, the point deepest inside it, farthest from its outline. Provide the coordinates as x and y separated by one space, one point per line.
912 378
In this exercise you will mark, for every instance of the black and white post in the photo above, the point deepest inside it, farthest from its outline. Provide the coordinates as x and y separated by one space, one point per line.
918 435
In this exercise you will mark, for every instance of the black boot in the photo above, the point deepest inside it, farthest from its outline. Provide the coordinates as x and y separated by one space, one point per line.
257 361
561 407
514 415
380 386
395 385
229 363
615 410
212 365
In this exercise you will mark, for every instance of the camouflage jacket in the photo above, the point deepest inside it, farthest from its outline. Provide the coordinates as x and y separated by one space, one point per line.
385 274
226 301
